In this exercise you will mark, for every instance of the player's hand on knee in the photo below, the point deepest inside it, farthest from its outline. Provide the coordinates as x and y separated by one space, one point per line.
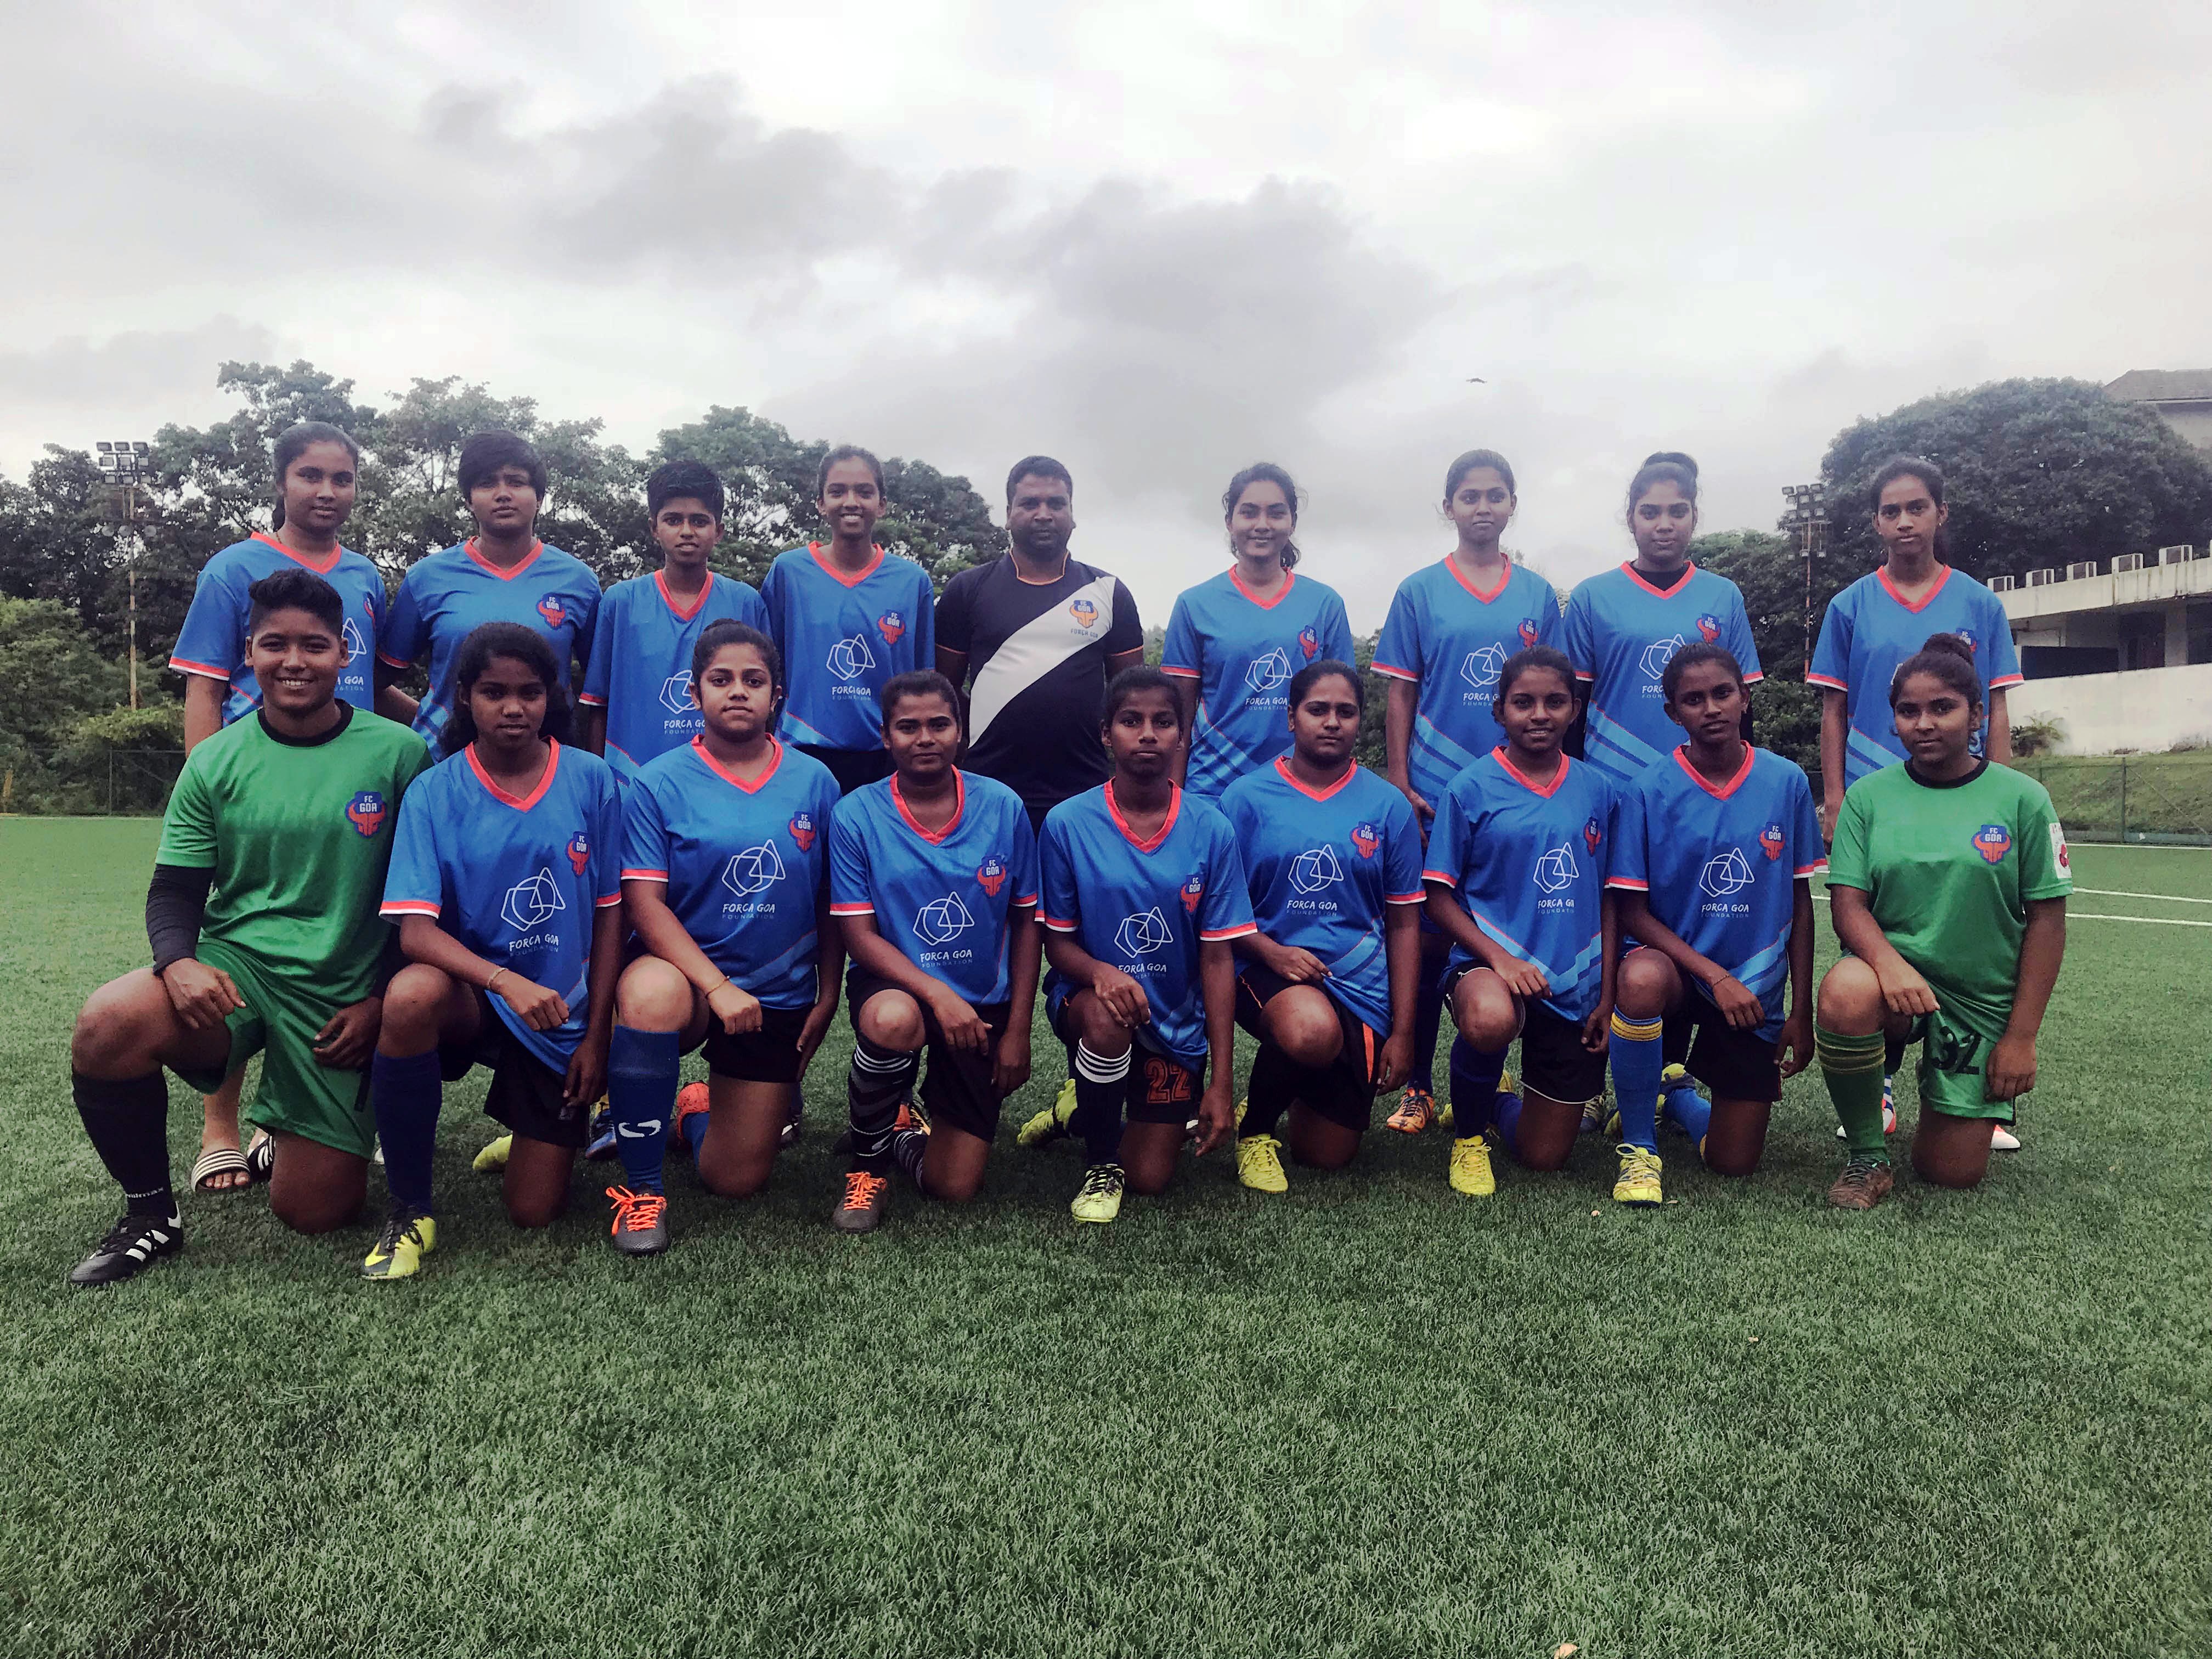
1902 990
738 1010
1524 979
344 1042
1120 995
1012 1068
1300 967
203 997
962 1026
1737 1005
2011 1070
541 1009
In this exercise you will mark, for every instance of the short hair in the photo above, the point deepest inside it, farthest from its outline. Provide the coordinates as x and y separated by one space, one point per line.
716 635
523 644
918 683
848 453
295 442
1945 657
1666 466
674 480
1690 656
296 590
1314 673
1473 459
485 454
1132 680
1537 658
1265 472
1037 466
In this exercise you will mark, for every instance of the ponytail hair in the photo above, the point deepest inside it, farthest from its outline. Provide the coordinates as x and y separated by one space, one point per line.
524 644
293 442
1944 657
1664 466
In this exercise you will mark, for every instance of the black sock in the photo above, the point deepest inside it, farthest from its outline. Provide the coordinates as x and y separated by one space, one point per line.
1893 1055
129 1124
1428 1021
907 1150
879 1080
1101 1083
1274 1083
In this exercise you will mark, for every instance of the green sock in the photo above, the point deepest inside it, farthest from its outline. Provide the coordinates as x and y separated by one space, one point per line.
1851 1066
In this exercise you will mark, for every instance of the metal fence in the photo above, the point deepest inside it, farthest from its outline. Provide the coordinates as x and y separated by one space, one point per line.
139 780
2147 799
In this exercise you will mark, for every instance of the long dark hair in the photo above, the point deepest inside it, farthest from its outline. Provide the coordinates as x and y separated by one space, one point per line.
1265 472
524 644
295 442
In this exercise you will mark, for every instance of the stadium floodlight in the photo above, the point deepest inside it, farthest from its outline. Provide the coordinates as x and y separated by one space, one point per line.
124 465
1808 517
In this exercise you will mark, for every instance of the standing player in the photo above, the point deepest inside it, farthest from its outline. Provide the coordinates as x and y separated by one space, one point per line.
505 886
1234 642
1714 852
317 468
848 621
261 916
1332 858
1949 880
725 878
933 879
1451 627
1516 876
501 574
1143 891
637 702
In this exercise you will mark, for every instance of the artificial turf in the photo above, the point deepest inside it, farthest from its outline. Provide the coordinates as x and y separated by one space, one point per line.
1372 1417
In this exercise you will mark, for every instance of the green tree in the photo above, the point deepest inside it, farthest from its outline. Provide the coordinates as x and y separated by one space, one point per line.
53 675
1770 568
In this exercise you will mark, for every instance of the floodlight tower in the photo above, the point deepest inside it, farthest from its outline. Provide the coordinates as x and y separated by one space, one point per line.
125 464
1808 517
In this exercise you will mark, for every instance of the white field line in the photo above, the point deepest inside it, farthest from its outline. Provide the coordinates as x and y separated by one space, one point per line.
2163 898
2092 915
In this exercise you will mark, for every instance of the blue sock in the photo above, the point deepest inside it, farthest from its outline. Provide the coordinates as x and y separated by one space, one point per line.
641 1068
1690 1109
1428 1020
1506 1127
1474 1077
405 1095
695 1131
1637 1060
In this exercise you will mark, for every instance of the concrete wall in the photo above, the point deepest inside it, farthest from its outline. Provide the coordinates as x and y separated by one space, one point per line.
2029 606
2149 709
2192 421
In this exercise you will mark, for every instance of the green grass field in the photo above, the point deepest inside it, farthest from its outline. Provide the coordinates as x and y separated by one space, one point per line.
1371 1419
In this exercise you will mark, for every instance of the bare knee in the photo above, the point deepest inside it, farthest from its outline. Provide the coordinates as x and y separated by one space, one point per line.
315 1212
414 1009
1647 983
534 1210
1304 1028
113 1030
653 996
1148 1177
1483 1010
1849 1000
892 1019
1099 1030
734 1181
959 1186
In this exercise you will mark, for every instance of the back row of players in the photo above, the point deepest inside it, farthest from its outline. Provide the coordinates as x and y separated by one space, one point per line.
1199 844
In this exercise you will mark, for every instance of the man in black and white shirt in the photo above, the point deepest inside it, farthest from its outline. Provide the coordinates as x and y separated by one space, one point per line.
1033 637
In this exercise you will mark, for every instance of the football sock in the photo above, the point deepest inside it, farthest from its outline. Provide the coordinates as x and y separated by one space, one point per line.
879 1080
1892 1056
1101 1081
1270 1089
1474 1077
1852 1068
1637 1060
406 1094
694 1131
1504 1125
1428 1019
642 1070
1691 1110
908 1149
128 1122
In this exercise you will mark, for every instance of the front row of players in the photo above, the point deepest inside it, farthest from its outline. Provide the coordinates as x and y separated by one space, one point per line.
571 943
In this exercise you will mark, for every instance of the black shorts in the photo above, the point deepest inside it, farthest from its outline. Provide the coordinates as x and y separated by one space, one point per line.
1159 1089
1345 1094
768 1055
1553 1062
956 1086
526 1095
1735 1065
852 768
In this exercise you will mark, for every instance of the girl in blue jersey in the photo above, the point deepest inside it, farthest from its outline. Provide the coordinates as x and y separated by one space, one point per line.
725 878
1714 852
1332 859
505 882
1142 893
1451 627
1233 643
1515 875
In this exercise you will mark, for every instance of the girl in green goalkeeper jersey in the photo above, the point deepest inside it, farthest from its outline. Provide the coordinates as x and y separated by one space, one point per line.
1949 880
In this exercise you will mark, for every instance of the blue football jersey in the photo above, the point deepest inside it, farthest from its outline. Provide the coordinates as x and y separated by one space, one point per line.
1621 632
212 642
1243 652
746 864
517 881
1146 906
942 899
842 638
1870 628
1451 639
1720 863
1323 867
640 670
1528 864
444 597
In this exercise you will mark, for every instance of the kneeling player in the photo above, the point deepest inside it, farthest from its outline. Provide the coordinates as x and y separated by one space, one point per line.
1516 877
932 879
1332 860
1713 858
725 879
262 915
504 883
1143 891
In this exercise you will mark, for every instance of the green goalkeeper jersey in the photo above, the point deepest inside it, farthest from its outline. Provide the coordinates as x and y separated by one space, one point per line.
1949 871
298 834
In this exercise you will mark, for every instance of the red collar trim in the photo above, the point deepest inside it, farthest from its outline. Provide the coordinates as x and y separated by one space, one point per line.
520 804
469 547
1925 599
322 570
959 806
1283 771
1718 790
1152 845
1504 576
775 760
1529 783
660 581
1689 569
1290 580
838 575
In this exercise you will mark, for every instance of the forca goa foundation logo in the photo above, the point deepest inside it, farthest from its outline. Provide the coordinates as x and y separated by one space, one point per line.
1316 868
849 659
676 692
753 871
1144 934
1268 672
942 921
1658 655
1481 667
531 902
1726 873
1557 870
356 647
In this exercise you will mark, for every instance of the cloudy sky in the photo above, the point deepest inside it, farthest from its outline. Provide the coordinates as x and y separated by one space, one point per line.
1158 240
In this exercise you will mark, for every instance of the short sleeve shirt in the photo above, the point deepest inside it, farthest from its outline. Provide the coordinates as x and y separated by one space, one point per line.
1243 651
1621 632
212 642
640 670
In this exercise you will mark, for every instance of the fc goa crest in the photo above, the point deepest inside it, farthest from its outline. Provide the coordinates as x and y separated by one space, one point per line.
1310 643
580 852
802 830
1709 628
1193 890
552 610
991 875
1769 841
1527 632
1591 835
1365 838
365 811
1966 635
1993 841
893 626
1085 612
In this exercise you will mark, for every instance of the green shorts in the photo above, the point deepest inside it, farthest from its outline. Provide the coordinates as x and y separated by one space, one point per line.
299 1095
1955 1060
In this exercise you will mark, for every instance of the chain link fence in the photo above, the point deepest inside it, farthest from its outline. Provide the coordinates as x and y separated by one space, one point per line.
2149 800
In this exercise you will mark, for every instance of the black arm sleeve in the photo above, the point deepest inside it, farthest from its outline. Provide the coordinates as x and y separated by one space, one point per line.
176 904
